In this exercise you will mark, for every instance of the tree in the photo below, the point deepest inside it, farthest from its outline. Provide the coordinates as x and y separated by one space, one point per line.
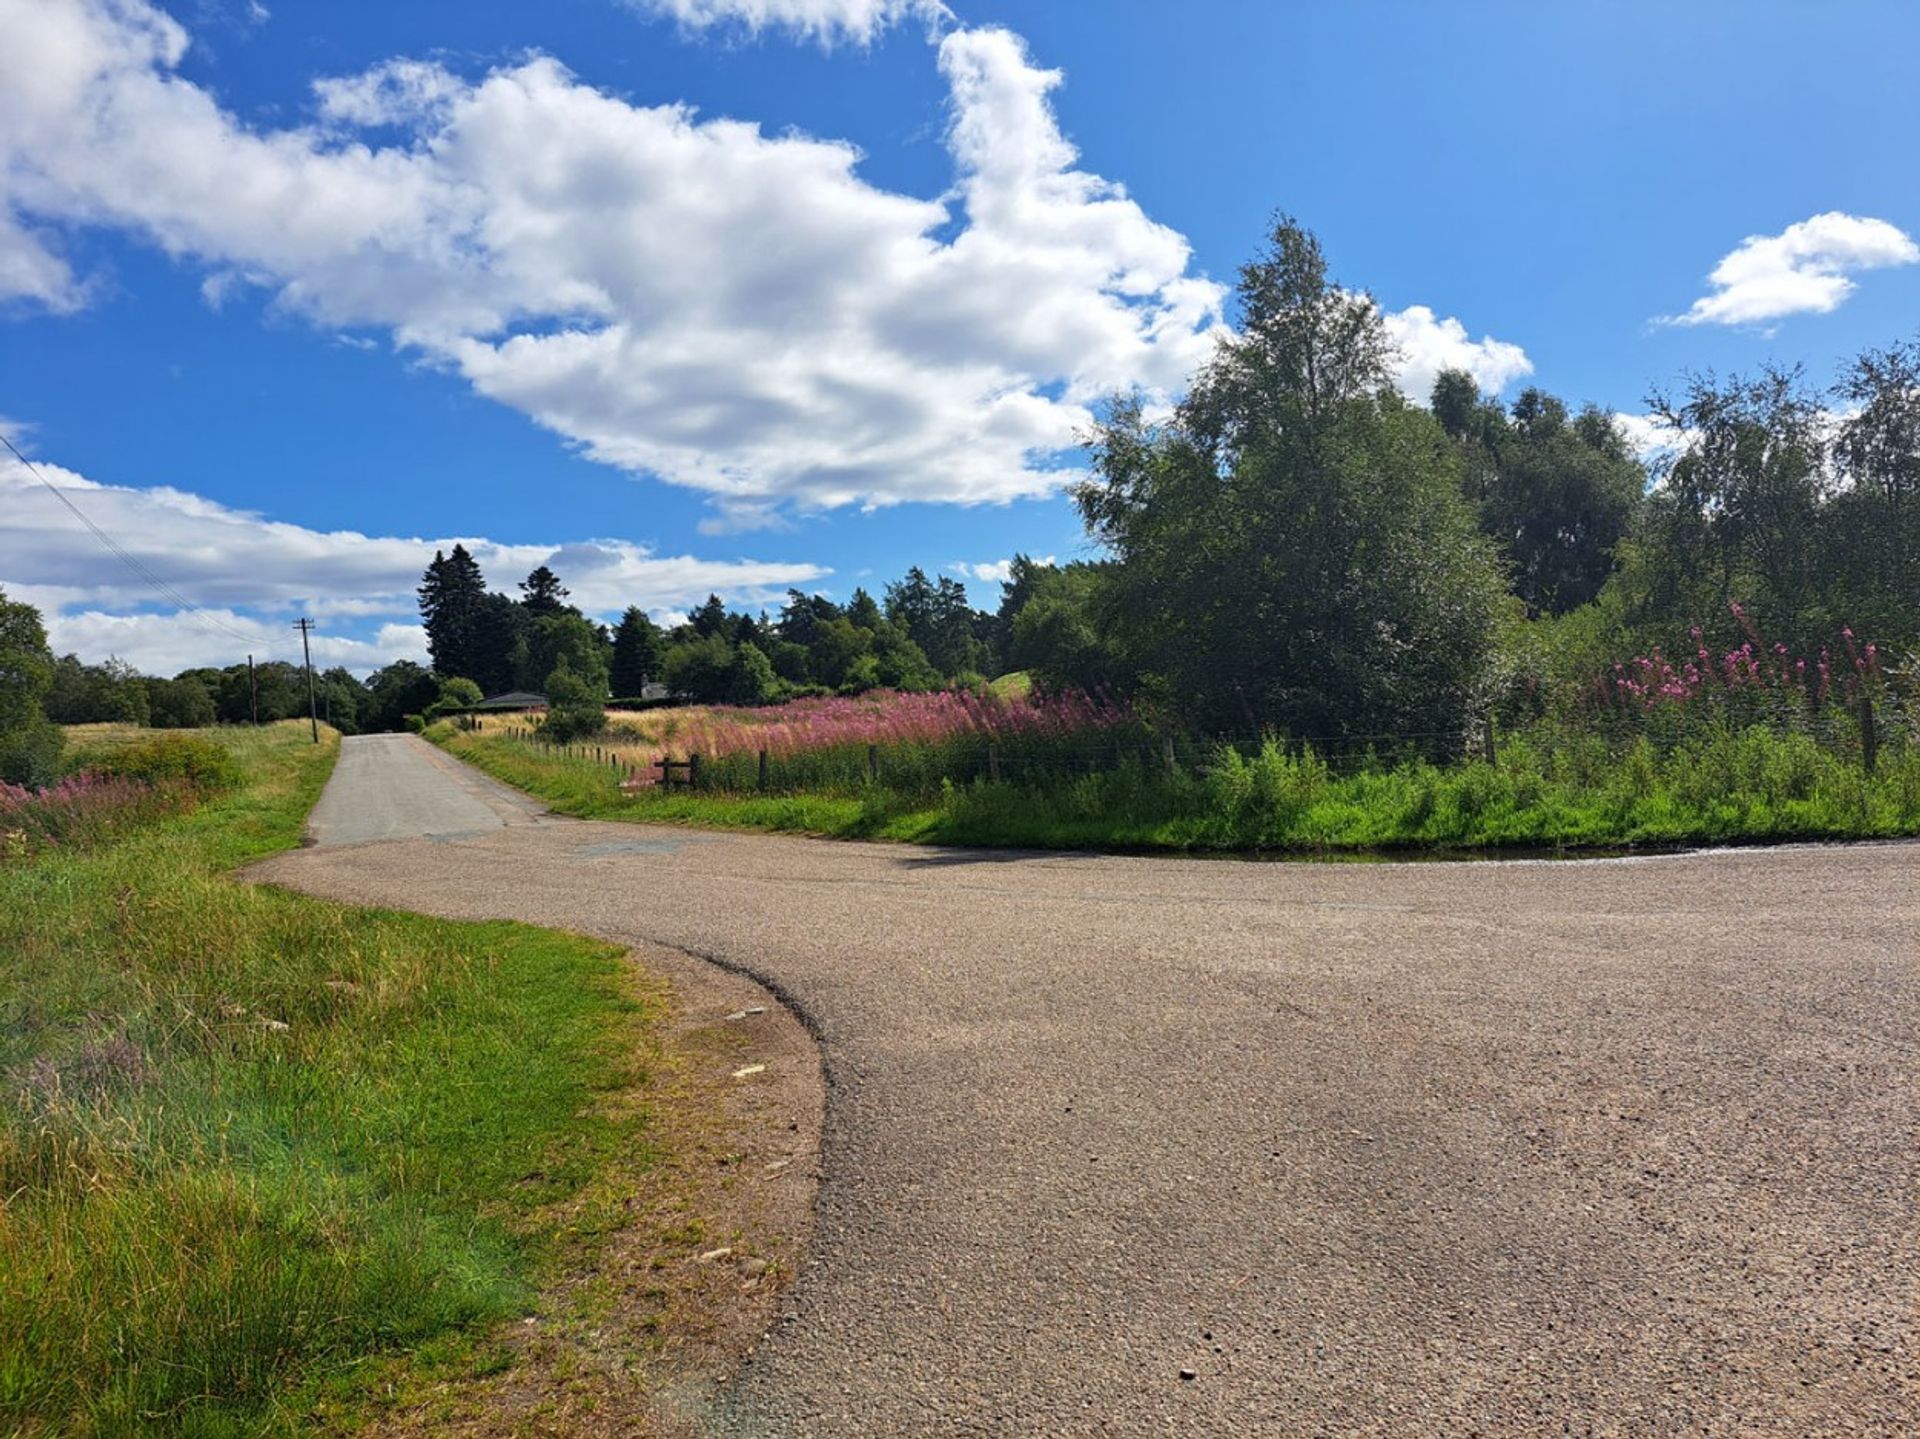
751 680
1740 515
29 742
638 652
710 618
1024 576
342 699
182 703
1059 633
543 594
898 663
570 636
114 692
500 630
864 611
576 704
937 618
400 689
1293 549
701 669
451 596
1455 402
1309 349
838 646
1556 496
802 615
457 694
792 662
1873 531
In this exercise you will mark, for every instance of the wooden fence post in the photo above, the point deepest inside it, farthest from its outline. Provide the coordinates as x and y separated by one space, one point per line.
993 763
1869 740
1166 753
873 764
1493 755
763 769
693 770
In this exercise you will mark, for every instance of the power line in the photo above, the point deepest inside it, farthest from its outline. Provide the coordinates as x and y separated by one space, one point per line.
132 562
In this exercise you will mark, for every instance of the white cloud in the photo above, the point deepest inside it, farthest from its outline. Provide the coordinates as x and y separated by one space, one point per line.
993 571
826 21
686 297
253 575
1651 438
1428 344
1802 270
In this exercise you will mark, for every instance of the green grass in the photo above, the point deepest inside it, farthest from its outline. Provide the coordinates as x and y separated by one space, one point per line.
251 1140
1722 786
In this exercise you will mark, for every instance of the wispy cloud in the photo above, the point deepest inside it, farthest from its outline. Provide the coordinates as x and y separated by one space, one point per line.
823 21
252 574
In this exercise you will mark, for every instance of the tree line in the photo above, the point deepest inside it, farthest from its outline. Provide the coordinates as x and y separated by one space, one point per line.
1298 548
920 635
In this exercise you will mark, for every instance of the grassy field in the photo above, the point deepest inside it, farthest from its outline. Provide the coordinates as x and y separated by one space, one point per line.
1723 786
252 1141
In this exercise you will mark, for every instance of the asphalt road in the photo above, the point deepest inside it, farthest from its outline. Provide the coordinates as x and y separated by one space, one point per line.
1618 1147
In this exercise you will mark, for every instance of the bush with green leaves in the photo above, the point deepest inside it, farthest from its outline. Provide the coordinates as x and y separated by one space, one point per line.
194 760
576 707
29 742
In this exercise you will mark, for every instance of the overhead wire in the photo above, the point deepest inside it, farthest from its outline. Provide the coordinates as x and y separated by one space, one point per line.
131 561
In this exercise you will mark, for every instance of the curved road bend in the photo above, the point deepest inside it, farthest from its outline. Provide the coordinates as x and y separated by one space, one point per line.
1619 1147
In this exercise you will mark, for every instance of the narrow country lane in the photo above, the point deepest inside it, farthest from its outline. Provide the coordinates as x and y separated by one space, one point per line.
1164 1146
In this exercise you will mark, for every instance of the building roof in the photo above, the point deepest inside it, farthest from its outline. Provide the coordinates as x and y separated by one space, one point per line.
513 700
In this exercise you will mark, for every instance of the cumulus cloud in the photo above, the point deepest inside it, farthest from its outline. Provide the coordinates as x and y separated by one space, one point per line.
1804 269
1651 438
252 575
678 296
825 21
993 571
1428 344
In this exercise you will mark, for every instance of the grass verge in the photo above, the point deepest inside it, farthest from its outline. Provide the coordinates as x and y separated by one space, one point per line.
1722 786
251 1141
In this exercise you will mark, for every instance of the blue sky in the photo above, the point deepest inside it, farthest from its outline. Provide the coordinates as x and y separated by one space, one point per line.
484 283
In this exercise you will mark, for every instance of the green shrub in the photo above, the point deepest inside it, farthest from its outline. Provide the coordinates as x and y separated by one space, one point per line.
566 723
190 758
30 754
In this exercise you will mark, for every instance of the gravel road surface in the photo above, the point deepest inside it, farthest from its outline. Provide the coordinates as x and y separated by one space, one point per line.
1157 1146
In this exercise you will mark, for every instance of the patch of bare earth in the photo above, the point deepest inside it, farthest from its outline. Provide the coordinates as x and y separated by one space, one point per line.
672 1267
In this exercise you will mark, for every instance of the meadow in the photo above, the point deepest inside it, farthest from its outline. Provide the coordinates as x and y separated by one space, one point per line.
1730 762
253 1146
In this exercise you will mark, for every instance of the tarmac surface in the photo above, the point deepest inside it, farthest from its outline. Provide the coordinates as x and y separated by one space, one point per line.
1166 1146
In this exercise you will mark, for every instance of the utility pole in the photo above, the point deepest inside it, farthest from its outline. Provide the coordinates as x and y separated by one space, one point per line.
306 649
253 693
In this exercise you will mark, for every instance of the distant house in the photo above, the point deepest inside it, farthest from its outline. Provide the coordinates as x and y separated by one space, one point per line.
514 700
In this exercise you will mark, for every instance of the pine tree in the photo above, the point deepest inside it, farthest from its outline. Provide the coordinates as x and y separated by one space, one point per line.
544 594
638 650
451 595
710 618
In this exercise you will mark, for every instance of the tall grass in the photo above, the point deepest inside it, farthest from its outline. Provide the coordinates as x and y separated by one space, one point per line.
248 1139
826 745
1718 784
